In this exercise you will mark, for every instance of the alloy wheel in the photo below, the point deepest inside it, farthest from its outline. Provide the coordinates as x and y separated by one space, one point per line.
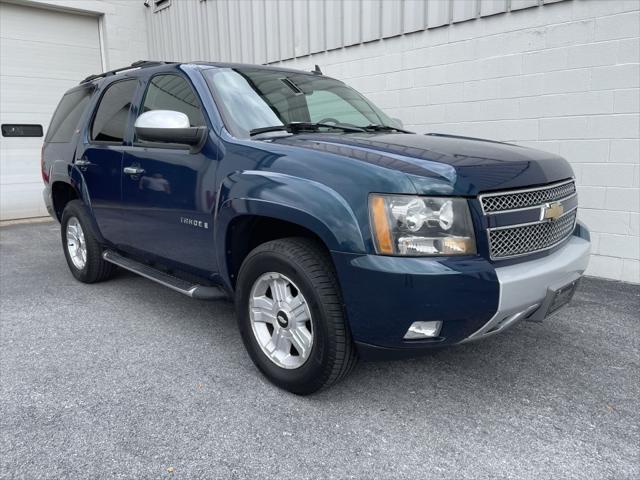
281 320
76 245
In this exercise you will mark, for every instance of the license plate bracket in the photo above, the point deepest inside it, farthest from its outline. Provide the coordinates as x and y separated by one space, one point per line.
557 297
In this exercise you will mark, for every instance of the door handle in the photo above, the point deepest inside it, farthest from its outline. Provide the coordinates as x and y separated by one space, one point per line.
133 170
83 163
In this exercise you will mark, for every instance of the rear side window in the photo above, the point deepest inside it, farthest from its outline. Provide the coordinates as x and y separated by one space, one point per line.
110 121
171 92
67 115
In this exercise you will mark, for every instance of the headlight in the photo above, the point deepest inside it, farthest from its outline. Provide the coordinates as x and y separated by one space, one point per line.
421 226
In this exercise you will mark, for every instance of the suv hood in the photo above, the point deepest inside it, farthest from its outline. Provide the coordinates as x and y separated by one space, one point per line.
443 164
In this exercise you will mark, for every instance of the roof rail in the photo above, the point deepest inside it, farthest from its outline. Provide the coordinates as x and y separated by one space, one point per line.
138 64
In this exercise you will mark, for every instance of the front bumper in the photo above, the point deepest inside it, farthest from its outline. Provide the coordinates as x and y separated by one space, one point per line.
524 286
473 299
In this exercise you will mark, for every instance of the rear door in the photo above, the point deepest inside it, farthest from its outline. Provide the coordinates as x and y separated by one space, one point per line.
167 207
100 162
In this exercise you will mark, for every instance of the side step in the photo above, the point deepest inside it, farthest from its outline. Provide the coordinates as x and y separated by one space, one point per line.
200 292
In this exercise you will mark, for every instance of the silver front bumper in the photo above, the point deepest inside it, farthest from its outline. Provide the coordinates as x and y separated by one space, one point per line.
524 286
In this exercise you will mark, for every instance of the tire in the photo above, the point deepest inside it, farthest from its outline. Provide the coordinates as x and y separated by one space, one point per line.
93 269
307 267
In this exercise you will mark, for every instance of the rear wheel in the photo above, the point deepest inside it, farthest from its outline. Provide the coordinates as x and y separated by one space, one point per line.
81 248
291 317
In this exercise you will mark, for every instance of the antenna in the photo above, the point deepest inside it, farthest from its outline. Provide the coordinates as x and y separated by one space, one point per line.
317 71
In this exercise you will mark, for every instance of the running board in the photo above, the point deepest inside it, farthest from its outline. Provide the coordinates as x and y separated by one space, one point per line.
193 290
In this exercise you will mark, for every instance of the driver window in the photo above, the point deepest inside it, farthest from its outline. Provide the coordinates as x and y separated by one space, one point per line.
171 92
323 104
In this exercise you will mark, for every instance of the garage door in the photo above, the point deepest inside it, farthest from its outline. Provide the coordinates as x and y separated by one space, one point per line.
42 54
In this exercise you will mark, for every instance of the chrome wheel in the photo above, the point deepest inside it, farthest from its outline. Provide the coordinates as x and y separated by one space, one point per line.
76 245
281 320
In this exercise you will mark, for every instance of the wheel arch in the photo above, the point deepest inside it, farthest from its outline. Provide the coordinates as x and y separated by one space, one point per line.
246 232
64 191
61 194
256 207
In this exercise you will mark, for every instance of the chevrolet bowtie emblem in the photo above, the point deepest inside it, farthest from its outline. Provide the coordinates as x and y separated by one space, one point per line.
551 211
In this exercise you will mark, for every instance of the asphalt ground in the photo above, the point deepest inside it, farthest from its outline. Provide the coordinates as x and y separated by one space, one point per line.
127 379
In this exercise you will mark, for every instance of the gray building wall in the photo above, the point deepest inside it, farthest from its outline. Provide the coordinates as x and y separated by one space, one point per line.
265 31
562 76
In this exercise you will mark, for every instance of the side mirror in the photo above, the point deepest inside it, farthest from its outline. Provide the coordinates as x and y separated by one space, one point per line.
398 122
168 126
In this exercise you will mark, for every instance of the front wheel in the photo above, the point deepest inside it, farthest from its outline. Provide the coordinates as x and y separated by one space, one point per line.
291 317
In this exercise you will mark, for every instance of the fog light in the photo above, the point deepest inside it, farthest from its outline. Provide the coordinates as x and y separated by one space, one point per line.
420 330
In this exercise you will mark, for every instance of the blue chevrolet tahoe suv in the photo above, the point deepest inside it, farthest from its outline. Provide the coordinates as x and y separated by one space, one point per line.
337 233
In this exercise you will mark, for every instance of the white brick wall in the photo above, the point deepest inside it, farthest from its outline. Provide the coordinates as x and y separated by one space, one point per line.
563 78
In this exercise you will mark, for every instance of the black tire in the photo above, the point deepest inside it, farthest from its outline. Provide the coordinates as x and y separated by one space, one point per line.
95 268
309 266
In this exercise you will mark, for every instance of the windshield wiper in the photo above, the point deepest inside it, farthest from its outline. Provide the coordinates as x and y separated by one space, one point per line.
297 126
385 128
272 128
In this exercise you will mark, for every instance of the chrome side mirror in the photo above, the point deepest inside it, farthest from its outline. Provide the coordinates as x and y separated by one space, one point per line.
168 126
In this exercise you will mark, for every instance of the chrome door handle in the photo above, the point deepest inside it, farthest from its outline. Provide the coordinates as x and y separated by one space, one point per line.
133 170
83 164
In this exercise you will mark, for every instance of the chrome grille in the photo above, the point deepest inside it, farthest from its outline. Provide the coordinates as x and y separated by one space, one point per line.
497 202
523 239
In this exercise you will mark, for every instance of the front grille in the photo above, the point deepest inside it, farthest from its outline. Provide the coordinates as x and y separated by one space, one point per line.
523 239
497 202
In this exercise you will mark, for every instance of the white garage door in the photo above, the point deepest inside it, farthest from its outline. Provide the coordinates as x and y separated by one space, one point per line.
42 54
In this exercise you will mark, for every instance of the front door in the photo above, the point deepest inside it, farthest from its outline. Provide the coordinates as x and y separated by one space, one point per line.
100 162
167 196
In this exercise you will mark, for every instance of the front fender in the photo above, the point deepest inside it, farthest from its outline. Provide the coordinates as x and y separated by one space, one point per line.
307 203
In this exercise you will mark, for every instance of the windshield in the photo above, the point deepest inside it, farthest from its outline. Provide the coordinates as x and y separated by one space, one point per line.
254 98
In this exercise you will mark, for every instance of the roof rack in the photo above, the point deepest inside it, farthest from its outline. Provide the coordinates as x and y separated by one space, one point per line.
138 64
